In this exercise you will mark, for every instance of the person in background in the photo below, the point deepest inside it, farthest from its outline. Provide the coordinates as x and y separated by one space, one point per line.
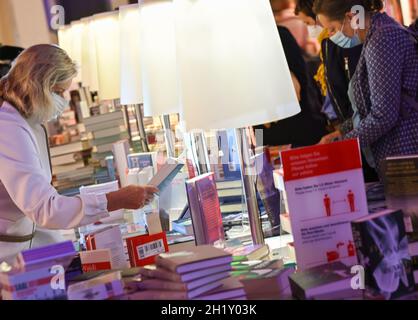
284 13
31 94
339 62
304 129
384 87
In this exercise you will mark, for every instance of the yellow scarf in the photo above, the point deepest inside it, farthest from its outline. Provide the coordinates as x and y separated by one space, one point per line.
320 75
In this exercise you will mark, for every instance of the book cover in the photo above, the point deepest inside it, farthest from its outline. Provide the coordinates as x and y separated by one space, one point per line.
194 259
144 249
96 260
205 209
266 282
401 188
59 253
330 279
325 192
100 288
109 238
143 160
269 194
382 248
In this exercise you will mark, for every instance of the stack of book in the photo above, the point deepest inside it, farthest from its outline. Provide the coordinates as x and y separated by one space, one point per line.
401 191
106 129
184 275
265 280
326 282
249 252
35 275
383 251
69 165
104 287
109 237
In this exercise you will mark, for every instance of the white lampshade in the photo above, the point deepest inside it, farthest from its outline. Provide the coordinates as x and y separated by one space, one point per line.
158 53
65 39
76 36
89 75
232 67
130 62
106 35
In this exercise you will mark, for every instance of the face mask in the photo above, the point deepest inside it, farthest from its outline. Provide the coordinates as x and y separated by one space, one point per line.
60 105
315 31
341 40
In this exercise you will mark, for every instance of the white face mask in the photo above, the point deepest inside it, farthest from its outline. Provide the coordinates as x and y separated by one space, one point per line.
60 105
315 31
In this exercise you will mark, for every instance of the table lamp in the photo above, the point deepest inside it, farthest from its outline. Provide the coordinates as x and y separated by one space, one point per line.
159 63
130 65
233 74
107 39
89 75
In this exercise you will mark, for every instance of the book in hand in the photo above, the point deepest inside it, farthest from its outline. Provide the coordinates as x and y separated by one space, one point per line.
327 282
205 209
400 178
194 259
383 250
166 174
231 288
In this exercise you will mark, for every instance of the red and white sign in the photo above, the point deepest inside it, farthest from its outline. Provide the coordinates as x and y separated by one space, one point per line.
325 192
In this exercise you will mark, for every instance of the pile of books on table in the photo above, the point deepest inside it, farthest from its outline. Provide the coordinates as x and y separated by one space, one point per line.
70 166
185 275
35 274
106 129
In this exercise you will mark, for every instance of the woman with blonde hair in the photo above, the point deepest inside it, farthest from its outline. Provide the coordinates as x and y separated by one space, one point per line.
30 95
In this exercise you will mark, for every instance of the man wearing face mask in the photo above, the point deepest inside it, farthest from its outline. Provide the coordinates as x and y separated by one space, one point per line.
30 95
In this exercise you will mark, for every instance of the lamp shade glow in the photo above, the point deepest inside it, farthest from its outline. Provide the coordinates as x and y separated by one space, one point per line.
130 62
76 36
107 35
158 54
232 67
89 76
65 39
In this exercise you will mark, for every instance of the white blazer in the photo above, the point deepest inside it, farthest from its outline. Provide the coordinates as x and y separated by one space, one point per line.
26 194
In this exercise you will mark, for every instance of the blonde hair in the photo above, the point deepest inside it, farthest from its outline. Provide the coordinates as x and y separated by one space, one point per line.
34 73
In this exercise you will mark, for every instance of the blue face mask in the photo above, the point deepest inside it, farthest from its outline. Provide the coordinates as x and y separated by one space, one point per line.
341 40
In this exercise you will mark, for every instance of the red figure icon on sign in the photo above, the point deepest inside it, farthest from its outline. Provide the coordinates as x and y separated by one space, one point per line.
350 198
351 249
327 204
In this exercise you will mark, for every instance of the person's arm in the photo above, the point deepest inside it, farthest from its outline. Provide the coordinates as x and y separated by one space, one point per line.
385 60
22 176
